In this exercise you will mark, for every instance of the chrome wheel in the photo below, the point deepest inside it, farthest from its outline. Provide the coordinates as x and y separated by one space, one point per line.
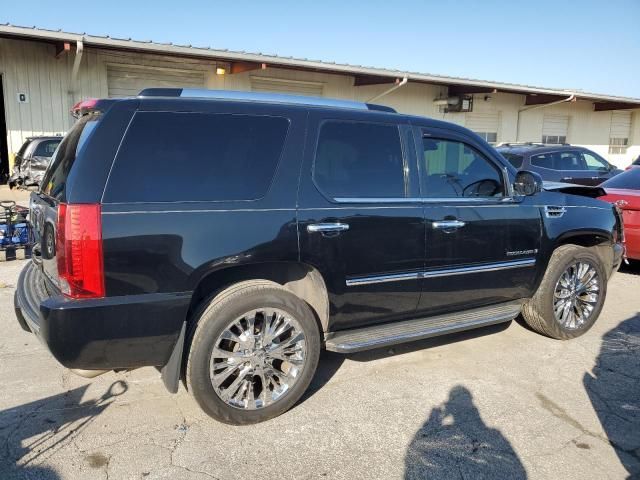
576 295
257 359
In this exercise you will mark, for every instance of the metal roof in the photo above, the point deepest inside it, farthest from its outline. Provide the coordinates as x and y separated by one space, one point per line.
149 46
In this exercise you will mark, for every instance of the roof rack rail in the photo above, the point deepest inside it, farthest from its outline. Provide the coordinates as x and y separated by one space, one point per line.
532 144
261 97
514 144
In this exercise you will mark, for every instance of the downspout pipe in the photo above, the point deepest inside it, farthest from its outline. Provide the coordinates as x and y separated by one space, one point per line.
76 65
570 98
392 89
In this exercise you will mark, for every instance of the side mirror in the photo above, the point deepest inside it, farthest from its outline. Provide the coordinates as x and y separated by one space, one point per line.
527 183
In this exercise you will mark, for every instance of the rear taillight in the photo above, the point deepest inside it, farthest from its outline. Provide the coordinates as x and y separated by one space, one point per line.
79 251
84 107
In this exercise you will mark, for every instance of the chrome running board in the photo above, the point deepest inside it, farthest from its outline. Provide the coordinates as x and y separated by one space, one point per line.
376 336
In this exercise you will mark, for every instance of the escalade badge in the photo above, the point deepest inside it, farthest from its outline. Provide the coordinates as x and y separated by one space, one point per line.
515 253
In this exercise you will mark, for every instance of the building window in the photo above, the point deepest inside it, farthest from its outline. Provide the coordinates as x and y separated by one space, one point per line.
618 146
555 128
486 125
489 137
620 132
554 139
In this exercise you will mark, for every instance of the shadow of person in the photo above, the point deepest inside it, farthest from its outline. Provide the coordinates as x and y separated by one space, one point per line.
32 432
455 443
614 390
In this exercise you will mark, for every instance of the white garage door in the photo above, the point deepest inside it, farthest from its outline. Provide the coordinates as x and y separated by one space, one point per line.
555 128
293 87
128 80
620 132
486 125
620 124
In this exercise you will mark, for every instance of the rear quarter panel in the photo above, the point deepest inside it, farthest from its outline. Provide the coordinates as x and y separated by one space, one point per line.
171 246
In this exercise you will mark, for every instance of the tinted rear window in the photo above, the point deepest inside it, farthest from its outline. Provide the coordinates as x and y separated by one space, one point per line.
544 161
629 180
513 158
54 182
168 156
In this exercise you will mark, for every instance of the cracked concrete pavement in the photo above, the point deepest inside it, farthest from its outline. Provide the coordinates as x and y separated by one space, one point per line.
501 402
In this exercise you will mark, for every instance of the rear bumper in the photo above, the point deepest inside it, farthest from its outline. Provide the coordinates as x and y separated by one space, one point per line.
101 334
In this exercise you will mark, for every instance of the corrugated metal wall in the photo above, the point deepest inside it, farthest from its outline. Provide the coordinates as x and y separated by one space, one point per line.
32 68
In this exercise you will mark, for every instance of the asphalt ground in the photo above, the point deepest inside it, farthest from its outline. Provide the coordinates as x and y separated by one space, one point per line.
500 402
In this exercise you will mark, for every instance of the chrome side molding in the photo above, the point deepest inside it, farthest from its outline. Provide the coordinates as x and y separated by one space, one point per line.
445 272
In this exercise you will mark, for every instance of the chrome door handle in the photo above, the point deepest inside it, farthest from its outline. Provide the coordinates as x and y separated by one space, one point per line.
447 224
327 227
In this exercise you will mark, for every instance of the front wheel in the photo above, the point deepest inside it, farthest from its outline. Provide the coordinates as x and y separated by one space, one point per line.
570 296
254 352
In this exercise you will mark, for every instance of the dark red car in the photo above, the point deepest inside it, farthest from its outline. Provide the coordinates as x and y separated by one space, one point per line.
624 191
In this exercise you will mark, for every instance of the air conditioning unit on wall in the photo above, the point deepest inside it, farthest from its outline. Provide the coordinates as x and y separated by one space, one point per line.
463 103
459 103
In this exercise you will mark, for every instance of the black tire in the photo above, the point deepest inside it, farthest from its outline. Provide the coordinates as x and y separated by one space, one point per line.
215 315
538 311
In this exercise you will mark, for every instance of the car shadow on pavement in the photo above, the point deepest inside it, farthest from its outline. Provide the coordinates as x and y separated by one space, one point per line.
632 268
35 431
614 390
454 442
330 362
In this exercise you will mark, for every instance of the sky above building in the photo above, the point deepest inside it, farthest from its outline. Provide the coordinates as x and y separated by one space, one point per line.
589 45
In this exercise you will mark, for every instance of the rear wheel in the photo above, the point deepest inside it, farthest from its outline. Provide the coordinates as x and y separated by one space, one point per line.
254 352
571 294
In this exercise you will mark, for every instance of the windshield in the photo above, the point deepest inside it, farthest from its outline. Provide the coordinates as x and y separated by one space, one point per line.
628 180
513 158
46 148
54 181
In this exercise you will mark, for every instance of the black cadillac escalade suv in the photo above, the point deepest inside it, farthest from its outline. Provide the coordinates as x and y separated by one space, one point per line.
227 237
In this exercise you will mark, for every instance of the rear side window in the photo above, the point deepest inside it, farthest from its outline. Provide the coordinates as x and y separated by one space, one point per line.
543 161
169 156
55 179
359 160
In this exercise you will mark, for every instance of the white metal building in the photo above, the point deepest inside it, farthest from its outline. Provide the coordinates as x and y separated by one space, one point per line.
43 73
